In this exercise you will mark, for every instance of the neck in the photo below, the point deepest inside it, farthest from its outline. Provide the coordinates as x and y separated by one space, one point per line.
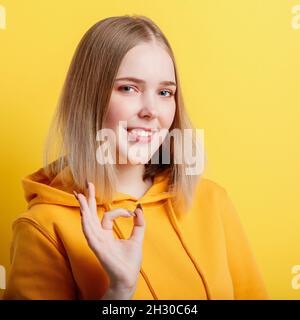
130 179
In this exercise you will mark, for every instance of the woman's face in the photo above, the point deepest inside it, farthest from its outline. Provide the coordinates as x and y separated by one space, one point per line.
148 103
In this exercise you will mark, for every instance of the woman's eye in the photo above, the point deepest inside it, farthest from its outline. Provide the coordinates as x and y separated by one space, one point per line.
170 92
122 87
127 89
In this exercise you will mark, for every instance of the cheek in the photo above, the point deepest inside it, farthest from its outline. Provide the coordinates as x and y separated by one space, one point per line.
117 111
167 117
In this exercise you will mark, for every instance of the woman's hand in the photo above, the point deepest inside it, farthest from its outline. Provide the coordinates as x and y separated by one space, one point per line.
120 258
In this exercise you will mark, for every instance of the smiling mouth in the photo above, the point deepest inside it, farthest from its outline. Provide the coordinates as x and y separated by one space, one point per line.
140 135
140 132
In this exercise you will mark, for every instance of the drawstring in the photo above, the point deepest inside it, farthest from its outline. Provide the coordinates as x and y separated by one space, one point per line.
108 207
176 227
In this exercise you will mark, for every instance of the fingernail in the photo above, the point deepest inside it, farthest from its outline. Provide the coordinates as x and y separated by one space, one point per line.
75 194
131 213
139 206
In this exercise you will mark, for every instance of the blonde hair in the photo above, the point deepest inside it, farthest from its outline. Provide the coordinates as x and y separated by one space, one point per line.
83 104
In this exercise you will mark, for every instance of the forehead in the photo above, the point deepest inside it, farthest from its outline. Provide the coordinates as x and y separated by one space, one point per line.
147 61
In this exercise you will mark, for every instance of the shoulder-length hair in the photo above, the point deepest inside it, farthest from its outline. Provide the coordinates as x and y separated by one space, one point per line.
83 104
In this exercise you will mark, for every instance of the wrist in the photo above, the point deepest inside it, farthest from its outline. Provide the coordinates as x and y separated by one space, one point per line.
116 293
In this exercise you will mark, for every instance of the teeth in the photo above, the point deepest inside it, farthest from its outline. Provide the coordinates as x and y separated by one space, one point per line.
141 133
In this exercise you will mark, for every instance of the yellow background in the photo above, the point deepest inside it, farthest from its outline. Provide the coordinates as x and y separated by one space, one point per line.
239 63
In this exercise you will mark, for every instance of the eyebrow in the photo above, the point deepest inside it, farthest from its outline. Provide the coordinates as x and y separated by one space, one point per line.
168 83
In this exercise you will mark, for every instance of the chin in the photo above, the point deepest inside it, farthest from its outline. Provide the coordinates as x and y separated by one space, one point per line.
136 161
136 153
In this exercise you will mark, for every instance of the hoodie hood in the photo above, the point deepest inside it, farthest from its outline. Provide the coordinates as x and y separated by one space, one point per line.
38 188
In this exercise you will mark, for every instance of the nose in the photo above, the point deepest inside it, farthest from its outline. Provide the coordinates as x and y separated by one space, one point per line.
149 109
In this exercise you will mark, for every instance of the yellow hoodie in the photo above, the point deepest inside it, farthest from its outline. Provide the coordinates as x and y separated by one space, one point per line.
201 254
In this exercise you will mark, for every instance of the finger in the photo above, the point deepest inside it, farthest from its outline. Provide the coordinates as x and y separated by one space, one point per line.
87 213
108 217
92 203
87 231
83 204
138 230
86 223
91 195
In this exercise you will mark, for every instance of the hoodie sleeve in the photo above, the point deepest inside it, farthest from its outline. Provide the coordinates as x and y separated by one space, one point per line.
38 269
246 277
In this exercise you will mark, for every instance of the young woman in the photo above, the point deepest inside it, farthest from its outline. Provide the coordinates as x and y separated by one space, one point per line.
129 229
